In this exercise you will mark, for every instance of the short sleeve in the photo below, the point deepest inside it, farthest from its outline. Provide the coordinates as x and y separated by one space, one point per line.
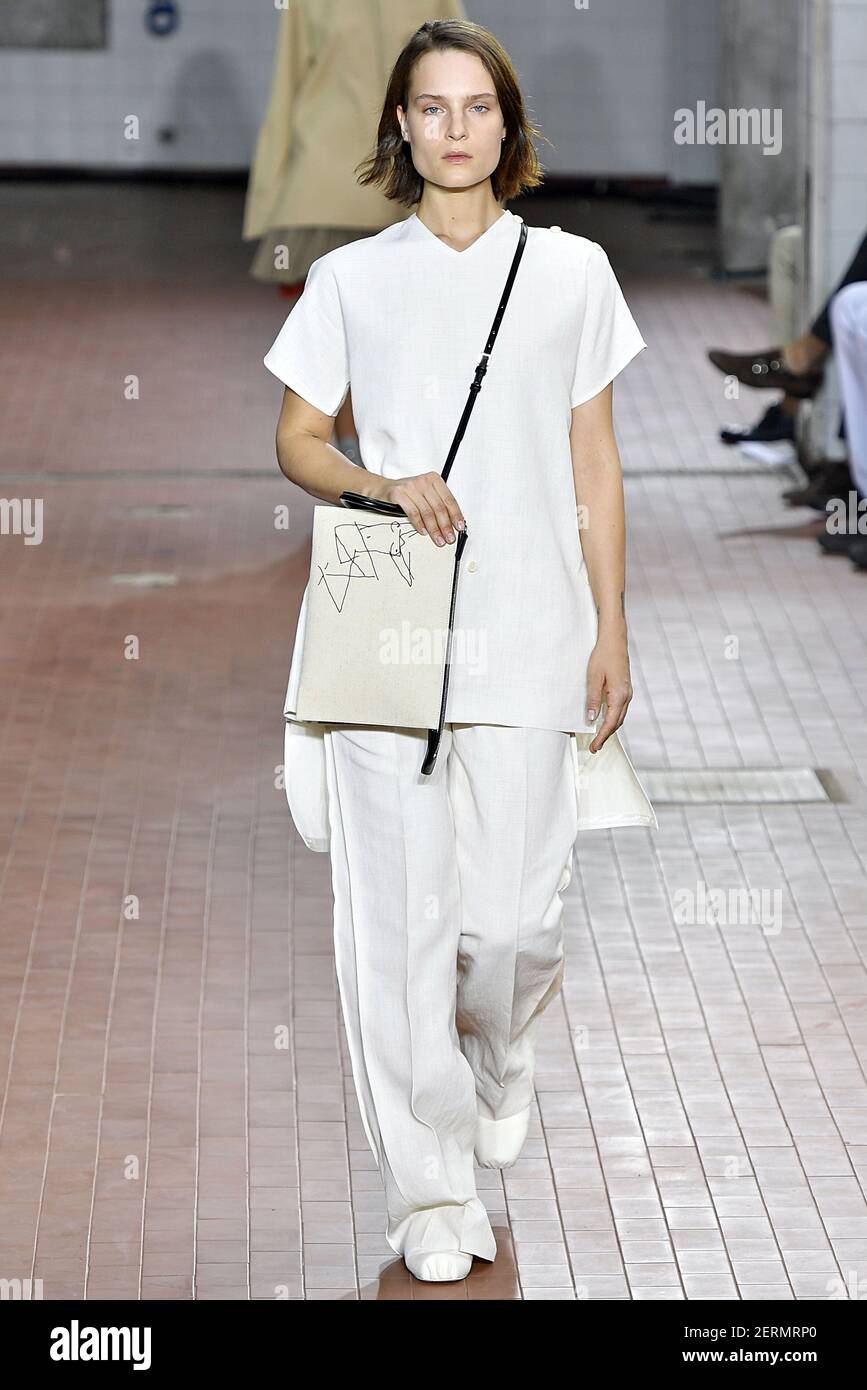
310 353
609 336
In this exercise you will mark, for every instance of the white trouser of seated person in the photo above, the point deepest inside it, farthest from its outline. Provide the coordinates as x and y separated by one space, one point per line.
848 315
448 946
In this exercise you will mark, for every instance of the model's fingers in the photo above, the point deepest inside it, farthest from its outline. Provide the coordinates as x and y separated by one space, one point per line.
451 504
618 699
434 514
594 695
404 496
435 493
430 506
612 713
438 519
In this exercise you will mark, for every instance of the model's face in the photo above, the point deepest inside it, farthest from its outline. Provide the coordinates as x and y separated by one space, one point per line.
453 109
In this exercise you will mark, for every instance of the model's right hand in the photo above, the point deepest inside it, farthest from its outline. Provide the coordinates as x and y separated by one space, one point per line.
429 503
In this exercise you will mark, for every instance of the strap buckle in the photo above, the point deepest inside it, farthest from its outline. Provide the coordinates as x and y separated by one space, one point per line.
476 384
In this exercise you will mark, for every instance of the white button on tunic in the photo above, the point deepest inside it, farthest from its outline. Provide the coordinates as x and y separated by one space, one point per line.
404 317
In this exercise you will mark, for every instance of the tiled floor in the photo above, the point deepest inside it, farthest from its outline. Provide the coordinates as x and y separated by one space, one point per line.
178 1117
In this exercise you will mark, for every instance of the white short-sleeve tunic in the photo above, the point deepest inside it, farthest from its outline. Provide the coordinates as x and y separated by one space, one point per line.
404 318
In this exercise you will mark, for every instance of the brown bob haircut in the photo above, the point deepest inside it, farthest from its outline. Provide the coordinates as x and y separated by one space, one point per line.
391 164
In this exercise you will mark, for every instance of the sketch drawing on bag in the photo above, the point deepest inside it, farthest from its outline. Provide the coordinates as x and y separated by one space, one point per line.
357 545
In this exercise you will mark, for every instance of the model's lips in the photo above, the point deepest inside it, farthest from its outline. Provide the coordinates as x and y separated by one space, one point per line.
457 156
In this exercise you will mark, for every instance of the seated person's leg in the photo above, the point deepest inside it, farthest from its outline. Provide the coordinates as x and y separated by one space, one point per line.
848 322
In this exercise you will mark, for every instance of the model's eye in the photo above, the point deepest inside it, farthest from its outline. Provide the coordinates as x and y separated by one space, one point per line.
430 108
480 107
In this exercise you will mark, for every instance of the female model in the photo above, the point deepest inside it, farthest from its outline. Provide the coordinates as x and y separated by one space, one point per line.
447 907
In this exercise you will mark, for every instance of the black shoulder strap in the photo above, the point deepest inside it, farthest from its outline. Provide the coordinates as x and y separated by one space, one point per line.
476 384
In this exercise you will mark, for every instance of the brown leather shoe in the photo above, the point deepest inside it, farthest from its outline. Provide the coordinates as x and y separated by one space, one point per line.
766 370
833 479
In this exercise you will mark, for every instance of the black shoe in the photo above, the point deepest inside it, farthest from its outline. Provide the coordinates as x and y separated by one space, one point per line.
837 542
832 480
775 424
858 552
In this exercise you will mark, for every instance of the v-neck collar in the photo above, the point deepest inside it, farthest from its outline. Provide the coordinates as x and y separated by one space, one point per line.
505 219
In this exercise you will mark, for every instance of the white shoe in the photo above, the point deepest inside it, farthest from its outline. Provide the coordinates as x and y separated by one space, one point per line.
499 1142
438 1266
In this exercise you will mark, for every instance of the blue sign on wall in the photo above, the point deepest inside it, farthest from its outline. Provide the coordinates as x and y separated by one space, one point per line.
162 17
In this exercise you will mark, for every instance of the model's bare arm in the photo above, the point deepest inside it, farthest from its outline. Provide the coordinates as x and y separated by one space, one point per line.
599 491
307 459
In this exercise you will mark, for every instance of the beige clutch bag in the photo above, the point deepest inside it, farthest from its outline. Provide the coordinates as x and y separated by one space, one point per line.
379 619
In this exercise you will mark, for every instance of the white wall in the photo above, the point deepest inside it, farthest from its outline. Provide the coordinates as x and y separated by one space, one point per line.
208 82
603 84
596 80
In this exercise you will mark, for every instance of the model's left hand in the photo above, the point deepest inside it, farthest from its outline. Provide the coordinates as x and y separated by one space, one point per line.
608 676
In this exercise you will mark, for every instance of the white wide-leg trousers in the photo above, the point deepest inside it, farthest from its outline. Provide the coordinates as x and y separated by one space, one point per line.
448 945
